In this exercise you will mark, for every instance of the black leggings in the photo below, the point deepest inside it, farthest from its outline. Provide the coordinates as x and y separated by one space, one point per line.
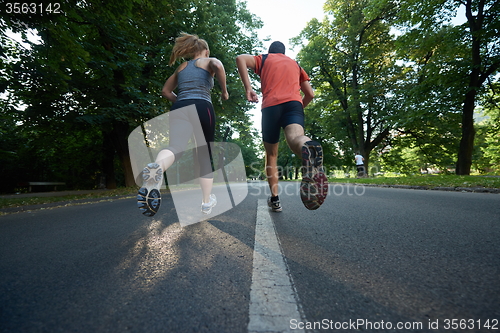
181 130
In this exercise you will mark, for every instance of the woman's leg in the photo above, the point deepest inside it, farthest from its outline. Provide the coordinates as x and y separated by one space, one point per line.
206 188
165 159
206 116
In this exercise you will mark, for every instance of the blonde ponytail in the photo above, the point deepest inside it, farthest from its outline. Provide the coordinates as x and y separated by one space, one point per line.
187 46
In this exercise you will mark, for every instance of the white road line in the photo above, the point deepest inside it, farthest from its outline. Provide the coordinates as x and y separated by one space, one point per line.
272 297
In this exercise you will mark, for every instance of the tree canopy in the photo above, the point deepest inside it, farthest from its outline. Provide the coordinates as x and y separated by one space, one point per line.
97 73
399 81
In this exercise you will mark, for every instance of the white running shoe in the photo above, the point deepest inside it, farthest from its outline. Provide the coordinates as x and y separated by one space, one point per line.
206 208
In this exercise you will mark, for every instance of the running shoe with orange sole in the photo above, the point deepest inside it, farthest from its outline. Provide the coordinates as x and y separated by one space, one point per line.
314 185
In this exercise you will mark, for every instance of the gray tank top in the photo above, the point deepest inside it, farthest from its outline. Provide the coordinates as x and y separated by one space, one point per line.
194 83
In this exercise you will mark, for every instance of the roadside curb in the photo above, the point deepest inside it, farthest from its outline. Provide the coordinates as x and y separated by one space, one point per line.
27 208
438 188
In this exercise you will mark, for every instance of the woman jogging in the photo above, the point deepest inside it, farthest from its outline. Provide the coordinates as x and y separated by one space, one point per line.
194 80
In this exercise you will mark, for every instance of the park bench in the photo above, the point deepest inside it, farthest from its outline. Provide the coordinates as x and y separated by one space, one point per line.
30 184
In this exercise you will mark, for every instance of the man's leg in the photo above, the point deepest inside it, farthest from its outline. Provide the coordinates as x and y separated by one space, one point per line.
272 175
294 134
272 167
314 185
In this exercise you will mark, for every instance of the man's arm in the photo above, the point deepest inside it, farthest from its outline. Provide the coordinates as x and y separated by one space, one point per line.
306 88
245 61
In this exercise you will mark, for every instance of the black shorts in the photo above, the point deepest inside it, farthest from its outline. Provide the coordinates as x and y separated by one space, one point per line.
206 116
181 132
280 116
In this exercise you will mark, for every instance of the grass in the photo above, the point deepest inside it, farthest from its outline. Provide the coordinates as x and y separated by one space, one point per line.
430 181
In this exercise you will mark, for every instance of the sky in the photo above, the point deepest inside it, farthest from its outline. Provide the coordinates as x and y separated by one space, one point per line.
283 19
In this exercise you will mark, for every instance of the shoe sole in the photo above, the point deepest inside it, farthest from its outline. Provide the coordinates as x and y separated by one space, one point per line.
274 209
314 185
277 210
148 196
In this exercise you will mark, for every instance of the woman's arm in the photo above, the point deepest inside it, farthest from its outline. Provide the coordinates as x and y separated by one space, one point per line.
169 87
218 68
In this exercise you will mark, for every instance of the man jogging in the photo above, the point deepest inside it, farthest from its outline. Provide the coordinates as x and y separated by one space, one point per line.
360 164
282 79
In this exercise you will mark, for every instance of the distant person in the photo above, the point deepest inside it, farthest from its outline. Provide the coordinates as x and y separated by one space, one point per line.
194 80
282 79
360 164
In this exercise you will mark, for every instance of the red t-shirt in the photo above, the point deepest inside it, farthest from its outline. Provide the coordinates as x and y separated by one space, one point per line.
280 79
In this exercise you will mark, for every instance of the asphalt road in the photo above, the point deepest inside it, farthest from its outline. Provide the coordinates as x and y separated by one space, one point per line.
370 259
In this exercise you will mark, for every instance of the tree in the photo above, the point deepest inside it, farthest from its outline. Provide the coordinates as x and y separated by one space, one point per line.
481 38
352 64
100 67
433 87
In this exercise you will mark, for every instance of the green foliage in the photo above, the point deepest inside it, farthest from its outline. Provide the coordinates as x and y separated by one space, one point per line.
249 151
460 59
350 56
98 73
414 153
405 99
406 95
487 149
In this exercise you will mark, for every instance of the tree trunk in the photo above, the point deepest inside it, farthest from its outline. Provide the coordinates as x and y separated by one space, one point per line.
108 161
127 170
120 140
115 143
464 161
366 164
